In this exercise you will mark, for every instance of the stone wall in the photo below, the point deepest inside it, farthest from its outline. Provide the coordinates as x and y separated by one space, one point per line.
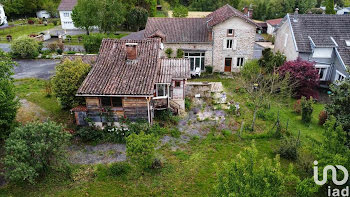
193 88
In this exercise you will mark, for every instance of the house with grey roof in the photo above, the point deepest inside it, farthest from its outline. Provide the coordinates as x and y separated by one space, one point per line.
65 10
224 39
323 39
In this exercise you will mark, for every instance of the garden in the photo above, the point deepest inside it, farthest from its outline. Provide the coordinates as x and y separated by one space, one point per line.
272 129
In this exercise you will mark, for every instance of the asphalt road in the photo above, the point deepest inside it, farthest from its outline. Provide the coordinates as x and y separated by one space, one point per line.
41 68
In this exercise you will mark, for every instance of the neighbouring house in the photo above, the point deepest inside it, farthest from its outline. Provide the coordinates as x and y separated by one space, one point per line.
272 24
43 14
130 80
3 18
344 11
323 39
65 10
224 39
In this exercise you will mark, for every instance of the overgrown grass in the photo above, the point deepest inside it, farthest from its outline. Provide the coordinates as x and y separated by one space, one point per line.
23 30
75 41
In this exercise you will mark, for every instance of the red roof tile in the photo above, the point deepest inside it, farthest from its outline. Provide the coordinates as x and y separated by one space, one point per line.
274 22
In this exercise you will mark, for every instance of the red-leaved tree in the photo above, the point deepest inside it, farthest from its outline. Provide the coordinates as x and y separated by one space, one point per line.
303 75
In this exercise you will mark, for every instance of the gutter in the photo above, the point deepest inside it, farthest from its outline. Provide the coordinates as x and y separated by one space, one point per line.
341 60
291 29
106 95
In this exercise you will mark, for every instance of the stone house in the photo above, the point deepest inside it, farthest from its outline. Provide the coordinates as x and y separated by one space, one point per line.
130 80
323 39
224 39
65 11
3 18
272 24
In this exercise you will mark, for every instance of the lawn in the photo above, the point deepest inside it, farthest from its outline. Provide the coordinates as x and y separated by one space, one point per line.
23 30
188 171
75 40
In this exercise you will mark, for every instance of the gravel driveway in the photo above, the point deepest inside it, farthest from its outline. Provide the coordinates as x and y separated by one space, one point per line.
41 68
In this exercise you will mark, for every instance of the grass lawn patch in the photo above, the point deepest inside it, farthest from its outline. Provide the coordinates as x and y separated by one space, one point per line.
23 30
75 40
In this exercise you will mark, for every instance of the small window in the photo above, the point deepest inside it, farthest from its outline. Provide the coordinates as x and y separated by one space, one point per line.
230 32
285 40
117 102
177 84
229 44
347 43
339 76
106 102
66 14
240 61
161 90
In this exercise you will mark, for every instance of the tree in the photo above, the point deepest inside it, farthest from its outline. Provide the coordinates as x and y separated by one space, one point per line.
330 7
111 15
246 175
69 76
180 11
270 61
25 47
234 3
137 18
339 105
141 149
85 14
303 75
34 149
93 42
149 5
8 101
263 88
306 109
305 5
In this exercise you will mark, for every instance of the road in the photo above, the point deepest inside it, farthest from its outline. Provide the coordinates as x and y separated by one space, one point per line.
42 68
5 47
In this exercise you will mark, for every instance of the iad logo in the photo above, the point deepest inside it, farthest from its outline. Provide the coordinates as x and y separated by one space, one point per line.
334 192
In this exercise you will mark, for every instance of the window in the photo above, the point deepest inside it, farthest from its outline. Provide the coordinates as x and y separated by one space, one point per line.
240 61
66 14
117 102
285 40
161 90
339 76
106 102
177 84
196 59
229 44
322 71
347 43
230 32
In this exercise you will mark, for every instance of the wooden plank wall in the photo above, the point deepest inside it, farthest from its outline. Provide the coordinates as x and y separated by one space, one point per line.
135 108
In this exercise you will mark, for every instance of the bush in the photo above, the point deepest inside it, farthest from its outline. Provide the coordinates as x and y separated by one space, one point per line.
188 104
93 42
307 188
169 52
52 46
34 149
25 47
89 134
263 114
59 51
270 61
180 11
209 69
69 76
288 148
322 117
179 53
297 106
140 149
306 109
120 168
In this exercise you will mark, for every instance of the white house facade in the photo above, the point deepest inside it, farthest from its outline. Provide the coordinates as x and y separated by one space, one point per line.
43 14
65 10
3 18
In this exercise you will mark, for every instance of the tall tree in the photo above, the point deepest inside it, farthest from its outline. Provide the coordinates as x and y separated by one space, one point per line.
234 3
85 14
111 15
330 7
8 101
137 18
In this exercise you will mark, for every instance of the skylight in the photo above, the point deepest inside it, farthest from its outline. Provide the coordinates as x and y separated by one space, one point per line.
347 43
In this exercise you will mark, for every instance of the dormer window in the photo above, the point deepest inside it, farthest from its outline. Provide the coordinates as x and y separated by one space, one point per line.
230 32
347 42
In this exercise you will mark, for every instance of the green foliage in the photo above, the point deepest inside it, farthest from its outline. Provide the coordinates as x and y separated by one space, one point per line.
8 101
209 69
120 168
93 42
111 15
89 134
288 148
264 114
136 18
179 53
69 76
307 188
84 14
169 52
140 149
25 47
248 176
330 7
322 117
251 70
306 109
166 116
188 104
180 11
34 149
270 61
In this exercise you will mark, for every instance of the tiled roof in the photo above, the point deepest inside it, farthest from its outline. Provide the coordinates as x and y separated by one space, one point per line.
179 30
113 74
135 36
222 14
88 59
274 22
321 28
67 5
173 69
79 109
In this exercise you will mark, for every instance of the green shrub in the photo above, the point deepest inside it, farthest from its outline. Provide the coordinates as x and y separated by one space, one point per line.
175 132
180 11
89 134
322 117
169 52
34 149
209 69
120 168
306 109
71 52
307 188
288 148
179 53
140 149
263 114
25 47
188 104
297 106
93 42
59 51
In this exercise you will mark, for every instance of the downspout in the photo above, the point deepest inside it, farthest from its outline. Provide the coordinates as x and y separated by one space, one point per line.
212 49
168 92
148 110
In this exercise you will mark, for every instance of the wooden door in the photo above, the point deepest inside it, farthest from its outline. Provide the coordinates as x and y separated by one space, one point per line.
228 64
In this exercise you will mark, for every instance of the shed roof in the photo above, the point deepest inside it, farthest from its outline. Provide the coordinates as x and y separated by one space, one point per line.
67 5
173 69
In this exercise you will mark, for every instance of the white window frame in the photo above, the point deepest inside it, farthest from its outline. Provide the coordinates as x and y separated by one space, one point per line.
319 67
165 90
285 40
230 34
337 75
201 58
240 63
66 14
229 43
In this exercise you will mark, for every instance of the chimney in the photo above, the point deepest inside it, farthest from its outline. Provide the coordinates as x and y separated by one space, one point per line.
296 14
248 11
131 51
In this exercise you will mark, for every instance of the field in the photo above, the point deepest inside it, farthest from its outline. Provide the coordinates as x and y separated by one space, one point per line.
189 170
23 30
75 41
